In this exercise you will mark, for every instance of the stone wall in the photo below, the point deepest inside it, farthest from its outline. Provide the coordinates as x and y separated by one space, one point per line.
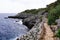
35 33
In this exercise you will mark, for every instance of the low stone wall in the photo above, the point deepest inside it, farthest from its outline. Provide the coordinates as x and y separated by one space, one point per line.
35 33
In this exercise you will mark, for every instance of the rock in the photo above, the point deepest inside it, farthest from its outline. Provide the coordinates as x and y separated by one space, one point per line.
17 39
21 16
13 17
30 21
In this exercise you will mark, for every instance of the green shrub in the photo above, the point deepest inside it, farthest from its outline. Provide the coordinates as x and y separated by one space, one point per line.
33 11
58 33
53 15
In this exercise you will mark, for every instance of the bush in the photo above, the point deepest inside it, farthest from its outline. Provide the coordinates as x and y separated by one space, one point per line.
58 33
33 11
53 15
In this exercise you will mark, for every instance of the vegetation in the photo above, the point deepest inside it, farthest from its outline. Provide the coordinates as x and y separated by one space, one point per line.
53 12
33 11
53 15
53 5
58 33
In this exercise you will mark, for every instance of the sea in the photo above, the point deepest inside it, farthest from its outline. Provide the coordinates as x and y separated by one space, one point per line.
11 29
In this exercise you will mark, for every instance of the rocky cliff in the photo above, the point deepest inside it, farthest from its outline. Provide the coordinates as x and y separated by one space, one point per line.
29 19
35 33
33 22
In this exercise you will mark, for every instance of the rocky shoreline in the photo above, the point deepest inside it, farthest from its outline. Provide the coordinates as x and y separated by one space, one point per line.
34 23
28 19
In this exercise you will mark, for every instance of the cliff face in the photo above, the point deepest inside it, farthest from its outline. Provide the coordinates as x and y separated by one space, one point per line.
33 22
37 30
35 33
29 19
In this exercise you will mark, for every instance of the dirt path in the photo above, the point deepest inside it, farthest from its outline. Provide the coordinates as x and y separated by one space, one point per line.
48 33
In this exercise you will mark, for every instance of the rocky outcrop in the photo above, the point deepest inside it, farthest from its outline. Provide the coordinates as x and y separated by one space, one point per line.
34 23
35 33
21 16
29 19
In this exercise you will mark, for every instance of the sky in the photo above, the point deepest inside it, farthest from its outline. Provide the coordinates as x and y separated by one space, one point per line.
16 6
